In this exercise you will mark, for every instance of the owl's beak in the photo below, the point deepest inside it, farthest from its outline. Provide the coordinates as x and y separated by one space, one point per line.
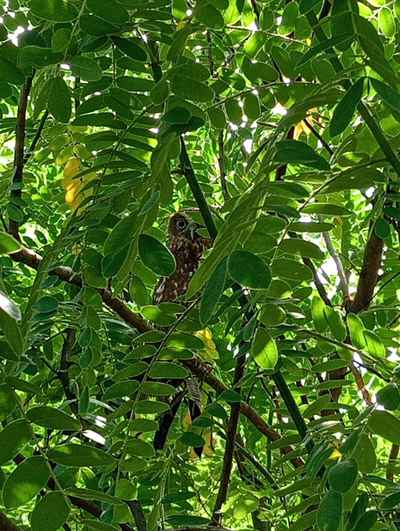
192 228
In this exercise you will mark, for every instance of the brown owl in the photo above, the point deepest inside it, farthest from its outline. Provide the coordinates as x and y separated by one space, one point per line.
187 246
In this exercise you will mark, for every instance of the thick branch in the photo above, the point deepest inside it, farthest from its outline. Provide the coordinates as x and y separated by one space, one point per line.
137 512
6 524
369 274
19 152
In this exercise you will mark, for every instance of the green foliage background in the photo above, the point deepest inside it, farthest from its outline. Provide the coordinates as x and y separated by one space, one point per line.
277 125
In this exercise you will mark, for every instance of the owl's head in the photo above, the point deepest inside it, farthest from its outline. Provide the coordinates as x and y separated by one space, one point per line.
180 225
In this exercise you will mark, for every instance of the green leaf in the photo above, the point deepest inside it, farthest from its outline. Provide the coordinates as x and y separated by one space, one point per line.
388 95
345 109
385 425
59 99
121 389
9 311
78 455
91 494
290 269
52 418
147 407
158 389
13 438
190 438
326 209
373 344
264 350
85 68
302 247
8 244
50 513
356 329
140 448
143 425
168 370
341 477
191 89
248 270
109 10
366 521
46 304
54 10
329 514
251 106
8 400
382 228
119 237
364 454
156 256
25 481
212 293
319 314
296 152
310 226
133 47
208 15
177 115
386 22
389 396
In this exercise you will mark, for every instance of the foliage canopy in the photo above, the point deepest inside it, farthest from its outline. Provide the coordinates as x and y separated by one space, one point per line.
276 123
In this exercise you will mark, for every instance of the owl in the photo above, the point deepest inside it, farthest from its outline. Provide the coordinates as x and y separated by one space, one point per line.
187 246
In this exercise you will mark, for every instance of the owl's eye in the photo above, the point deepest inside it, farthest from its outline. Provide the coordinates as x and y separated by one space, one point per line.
181 224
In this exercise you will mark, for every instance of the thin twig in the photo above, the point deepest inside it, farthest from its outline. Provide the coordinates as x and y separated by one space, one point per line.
221 165
318 136
37 136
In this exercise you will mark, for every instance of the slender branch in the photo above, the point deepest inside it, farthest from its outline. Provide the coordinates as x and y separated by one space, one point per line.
318 136
138 515
19 152
37 136
292 408
62 374
394 453
231 429
197 191
318 284
343 284
221 165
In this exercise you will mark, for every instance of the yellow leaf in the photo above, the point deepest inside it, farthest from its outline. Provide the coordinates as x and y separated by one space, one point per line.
335 455
210 351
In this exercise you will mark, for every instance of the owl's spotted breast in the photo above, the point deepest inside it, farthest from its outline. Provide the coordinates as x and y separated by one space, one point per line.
188 247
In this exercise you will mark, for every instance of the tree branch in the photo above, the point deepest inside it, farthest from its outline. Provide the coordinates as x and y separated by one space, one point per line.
6 524
343 284
369 274
196 191
19 152
138 515
231 429
221 165
197 367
